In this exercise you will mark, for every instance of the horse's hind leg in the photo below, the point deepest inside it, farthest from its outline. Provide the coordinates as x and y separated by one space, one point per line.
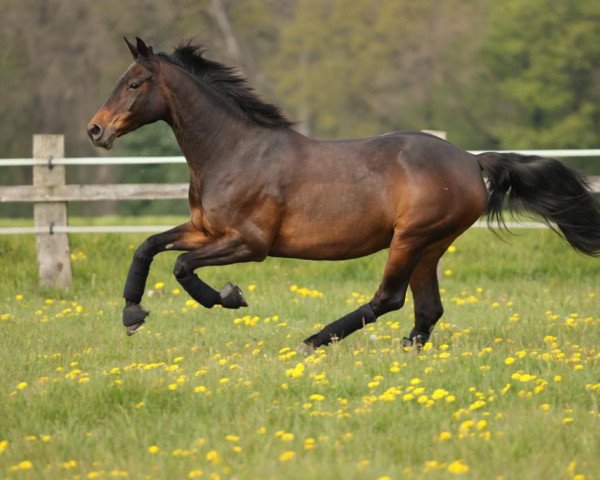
404 254
426 295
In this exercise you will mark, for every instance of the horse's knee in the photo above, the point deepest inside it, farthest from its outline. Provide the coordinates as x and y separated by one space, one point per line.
181 269
382 304
144 251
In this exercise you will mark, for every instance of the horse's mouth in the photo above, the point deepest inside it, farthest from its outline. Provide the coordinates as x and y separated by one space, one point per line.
108 143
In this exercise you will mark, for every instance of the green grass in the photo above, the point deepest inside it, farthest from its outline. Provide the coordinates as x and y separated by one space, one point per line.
78 399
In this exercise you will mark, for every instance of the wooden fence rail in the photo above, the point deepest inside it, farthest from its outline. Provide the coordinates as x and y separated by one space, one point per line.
50 195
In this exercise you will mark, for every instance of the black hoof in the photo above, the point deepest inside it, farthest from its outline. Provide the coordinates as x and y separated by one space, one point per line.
416 341
133 329
134 314
232 297
305 349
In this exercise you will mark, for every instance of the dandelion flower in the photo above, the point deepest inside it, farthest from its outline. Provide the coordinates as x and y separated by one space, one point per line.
24 465
213 457
153 449
458 468
287 456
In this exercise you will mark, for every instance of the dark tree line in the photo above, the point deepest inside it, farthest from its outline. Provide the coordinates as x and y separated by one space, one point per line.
511 74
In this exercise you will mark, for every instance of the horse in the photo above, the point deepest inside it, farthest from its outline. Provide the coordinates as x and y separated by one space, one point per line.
259 188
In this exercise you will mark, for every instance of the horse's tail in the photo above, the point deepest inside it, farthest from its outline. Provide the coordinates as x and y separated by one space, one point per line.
546 188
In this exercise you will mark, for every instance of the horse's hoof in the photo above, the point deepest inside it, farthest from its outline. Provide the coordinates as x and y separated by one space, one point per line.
305 349
232 297
133 329
416 342
134 314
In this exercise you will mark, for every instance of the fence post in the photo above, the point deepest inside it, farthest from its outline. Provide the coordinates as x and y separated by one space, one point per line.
53 251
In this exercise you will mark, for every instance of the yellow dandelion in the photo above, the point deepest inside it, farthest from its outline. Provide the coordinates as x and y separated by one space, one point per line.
3 446
213 457
232 438
444 436
18 297
159 285
287 456
509 360
153 449
69 464
24 465
317 397
22 386
458 468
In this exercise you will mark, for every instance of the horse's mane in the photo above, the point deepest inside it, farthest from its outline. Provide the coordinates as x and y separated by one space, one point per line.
225 81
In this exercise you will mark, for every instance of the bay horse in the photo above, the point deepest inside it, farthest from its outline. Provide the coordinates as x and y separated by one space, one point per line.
258 188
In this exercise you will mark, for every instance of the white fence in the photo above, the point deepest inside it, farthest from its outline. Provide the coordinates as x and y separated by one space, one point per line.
50 195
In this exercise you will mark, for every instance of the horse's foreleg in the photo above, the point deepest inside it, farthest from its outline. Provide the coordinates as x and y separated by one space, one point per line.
223 250
182 237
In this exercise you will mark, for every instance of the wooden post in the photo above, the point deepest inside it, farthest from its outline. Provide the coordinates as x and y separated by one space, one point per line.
53 251
438 133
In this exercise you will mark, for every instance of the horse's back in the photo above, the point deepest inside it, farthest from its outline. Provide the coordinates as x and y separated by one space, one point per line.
346 198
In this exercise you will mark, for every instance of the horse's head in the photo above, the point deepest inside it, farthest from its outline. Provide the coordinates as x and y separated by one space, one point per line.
135 101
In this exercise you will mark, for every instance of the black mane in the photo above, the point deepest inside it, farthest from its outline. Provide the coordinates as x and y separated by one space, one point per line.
224 80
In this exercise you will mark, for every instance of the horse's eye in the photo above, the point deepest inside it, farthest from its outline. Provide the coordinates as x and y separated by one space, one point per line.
134 85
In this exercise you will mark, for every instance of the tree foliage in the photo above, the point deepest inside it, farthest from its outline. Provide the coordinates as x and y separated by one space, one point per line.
512 74
543 61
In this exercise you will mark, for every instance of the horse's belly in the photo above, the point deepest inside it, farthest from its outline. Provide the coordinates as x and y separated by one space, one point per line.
323 234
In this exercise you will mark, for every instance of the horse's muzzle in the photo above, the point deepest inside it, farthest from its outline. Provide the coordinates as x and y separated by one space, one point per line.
101 137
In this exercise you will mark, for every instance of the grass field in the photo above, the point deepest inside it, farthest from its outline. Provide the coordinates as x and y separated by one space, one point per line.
508 388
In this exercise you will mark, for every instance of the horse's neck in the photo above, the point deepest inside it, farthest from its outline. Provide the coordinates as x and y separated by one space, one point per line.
205 126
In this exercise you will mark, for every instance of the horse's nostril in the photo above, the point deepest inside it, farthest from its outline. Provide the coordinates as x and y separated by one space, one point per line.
95 131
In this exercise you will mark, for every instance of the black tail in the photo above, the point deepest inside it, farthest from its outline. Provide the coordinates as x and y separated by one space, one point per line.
548 189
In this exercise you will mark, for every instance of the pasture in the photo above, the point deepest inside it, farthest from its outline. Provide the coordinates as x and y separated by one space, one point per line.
508 387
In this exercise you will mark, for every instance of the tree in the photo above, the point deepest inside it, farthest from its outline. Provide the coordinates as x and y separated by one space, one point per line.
544 71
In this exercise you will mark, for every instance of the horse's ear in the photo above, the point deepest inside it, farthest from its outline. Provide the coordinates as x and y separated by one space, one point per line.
142 49
132 48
